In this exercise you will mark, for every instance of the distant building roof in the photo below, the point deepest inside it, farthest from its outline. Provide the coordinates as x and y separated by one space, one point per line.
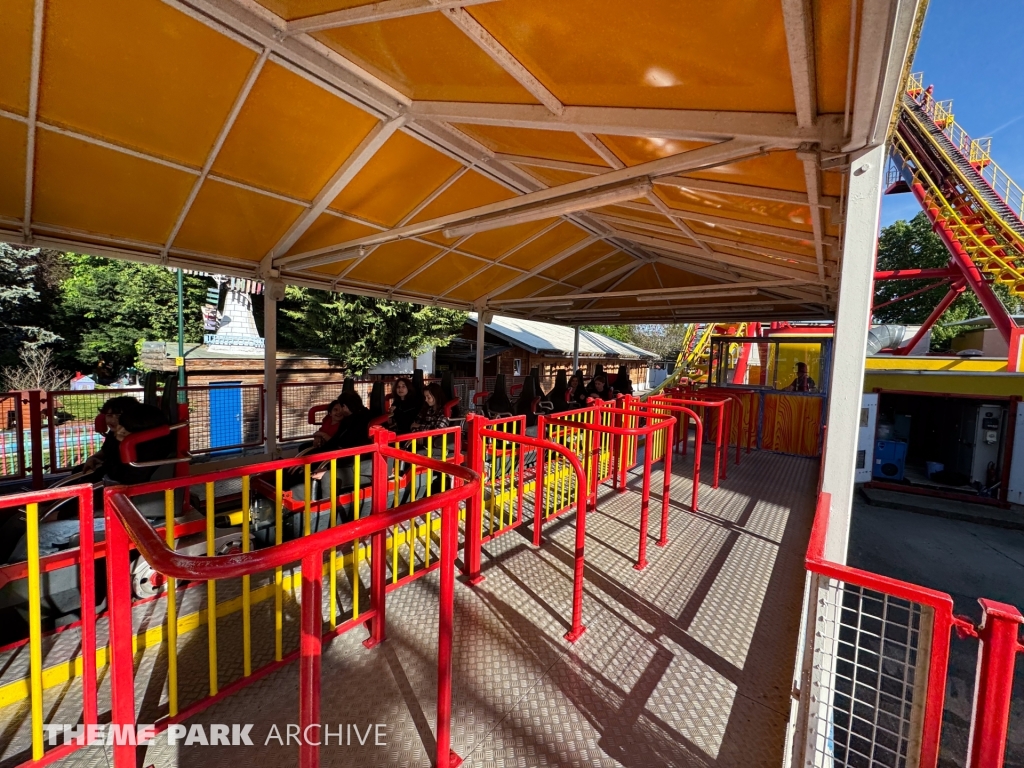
548 338
983 321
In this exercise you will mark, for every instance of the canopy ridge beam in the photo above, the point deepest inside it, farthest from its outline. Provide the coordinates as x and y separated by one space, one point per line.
709 156
365 252
367 14
743 190
746 288
728 221
211 157
489 44
798 19
777 130
514 249
543 162
546 264
38 12
348 170
649 226
809 158
753 265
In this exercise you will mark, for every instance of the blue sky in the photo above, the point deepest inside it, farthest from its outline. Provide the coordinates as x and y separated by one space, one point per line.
981 74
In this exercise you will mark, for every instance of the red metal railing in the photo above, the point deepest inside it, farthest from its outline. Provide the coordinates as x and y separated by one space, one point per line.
612 428
32 571
721 406
126 525
879 650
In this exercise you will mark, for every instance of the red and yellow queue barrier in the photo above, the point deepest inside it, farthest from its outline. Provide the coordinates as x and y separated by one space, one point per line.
607 420
34 568
125 525
721 408
229 522
660 441
485 431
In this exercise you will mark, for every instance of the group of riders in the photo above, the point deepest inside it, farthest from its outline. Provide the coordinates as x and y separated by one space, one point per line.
413 406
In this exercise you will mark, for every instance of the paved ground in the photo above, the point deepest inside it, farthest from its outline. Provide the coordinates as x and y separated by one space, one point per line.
687 663
968 561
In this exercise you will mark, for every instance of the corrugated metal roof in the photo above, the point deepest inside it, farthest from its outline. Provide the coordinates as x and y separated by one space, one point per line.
549 338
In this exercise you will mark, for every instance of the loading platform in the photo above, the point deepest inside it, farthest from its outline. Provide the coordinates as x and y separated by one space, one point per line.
687 662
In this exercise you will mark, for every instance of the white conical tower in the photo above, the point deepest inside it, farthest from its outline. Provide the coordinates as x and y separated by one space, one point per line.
236 327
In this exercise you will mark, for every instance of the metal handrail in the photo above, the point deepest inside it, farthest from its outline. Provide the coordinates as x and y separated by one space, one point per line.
166 561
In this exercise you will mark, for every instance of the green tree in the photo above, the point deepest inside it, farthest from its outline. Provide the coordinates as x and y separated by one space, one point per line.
28 277
361 332
109 306
617 332
913 245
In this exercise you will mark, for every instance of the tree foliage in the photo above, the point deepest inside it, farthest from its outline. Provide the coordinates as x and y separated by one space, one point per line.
913 245
110 306
663 340
27 285
359 331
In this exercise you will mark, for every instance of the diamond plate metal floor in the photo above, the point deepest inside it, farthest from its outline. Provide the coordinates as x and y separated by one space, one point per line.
686 663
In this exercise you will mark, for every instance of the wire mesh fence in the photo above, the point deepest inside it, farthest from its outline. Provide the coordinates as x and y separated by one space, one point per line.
869 677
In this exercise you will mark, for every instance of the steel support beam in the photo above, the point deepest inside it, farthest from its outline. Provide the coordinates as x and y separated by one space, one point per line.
33 110
709 156
374 12
798 19
211 157
348 170
775 130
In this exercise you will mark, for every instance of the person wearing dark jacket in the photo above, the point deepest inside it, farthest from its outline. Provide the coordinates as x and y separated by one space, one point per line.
92 468
601 390
577 391
405 407
354 428
138 419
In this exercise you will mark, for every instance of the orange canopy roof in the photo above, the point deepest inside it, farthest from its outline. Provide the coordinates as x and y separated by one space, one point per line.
576 161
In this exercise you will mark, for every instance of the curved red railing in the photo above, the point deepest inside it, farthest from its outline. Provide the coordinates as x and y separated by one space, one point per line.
722 403
473 524
126 524
655 422
687 414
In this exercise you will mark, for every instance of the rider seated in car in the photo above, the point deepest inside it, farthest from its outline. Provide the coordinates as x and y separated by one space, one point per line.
431 415
405 407
329 426
111 411
601 390
353 428
139 419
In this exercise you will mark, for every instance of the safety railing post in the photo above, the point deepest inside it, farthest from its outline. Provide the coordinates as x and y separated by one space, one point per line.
122 673
993 687
310 645
378 541
35 427
594 454
474 505
645 504
446 758
538 498
667 488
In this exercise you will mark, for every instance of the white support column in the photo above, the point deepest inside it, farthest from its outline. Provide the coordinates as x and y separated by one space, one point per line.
851 332
575 348
274 292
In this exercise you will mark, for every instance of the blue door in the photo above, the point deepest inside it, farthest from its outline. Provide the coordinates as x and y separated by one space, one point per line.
226 416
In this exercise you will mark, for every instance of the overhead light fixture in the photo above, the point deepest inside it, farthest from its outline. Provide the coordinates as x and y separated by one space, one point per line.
582 201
